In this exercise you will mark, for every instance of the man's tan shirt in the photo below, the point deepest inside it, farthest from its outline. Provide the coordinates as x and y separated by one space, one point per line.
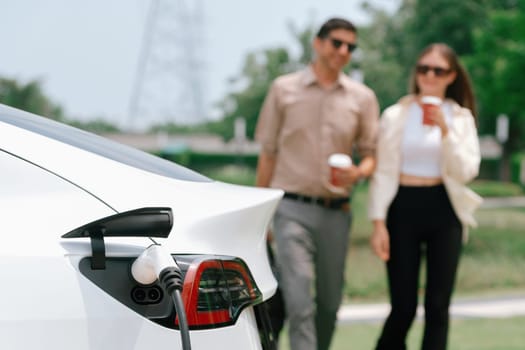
302 123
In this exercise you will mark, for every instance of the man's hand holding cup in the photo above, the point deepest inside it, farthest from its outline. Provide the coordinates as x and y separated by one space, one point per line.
342 172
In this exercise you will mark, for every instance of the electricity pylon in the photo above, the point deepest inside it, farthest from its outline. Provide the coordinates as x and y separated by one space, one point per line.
169 84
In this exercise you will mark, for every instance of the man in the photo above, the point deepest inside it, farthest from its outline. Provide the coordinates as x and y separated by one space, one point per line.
306 117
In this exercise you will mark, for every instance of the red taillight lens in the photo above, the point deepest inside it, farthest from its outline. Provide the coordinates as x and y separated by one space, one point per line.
215 292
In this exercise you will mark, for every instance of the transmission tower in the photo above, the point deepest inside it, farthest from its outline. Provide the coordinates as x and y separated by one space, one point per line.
169 80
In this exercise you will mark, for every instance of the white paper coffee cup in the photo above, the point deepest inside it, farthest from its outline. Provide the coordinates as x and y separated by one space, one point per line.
426 102
338 161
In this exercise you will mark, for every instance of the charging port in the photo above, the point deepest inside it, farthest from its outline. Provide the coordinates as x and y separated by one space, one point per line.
147 295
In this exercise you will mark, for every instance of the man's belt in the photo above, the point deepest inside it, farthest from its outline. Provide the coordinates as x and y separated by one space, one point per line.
329 203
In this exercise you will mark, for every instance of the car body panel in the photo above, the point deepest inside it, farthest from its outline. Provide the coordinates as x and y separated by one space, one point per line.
87 318
49 188
236 210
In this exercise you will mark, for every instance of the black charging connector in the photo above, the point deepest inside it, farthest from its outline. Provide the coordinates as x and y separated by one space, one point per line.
171 279
156 263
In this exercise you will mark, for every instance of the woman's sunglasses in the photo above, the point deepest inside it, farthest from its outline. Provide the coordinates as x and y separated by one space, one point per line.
423 69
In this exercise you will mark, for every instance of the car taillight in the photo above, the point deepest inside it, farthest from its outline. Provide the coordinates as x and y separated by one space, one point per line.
215 292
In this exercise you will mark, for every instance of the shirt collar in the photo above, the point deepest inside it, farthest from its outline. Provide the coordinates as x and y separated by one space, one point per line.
309 78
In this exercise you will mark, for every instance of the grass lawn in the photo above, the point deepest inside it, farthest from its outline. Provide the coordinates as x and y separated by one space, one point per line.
493 259
465 334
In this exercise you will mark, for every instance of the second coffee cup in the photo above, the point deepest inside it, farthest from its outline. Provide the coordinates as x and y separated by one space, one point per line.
428 102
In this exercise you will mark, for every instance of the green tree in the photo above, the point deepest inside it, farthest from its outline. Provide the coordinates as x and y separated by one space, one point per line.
258 72
391 42
304 38
382 52
497 64
448 21
97 126
28 97
489 36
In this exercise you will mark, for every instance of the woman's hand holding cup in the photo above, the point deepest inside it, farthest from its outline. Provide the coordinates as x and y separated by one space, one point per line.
431 106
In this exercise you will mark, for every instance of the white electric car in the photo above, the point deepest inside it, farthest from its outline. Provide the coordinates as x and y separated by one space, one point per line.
76 210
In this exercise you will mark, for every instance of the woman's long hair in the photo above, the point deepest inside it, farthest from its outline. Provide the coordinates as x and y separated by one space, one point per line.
461 88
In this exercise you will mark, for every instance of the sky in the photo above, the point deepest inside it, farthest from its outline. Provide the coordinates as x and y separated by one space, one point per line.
86 54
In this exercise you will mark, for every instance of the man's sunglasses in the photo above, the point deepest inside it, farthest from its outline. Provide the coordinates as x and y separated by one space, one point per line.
336 43
438 71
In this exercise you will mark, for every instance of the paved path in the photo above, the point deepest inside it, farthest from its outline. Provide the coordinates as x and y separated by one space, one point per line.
503 202
493 307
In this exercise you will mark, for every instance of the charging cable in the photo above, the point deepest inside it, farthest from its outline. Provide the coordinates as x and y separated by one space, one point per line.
156 263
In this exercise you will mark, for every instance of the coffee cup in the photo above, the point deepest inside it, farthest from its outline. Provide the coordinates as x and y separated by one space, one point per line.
427 103
338 161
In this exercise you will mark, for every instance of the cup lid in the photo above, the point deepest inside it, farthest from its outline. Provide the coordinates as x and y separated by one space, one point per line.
340 160
431 100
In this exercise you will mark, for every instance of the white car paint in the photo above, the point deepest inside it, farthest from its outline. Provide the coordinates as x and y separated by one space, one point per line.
49 188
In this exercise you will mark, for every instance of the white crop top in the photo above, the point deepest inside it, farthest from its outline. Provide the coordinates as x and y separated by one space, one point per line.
421 145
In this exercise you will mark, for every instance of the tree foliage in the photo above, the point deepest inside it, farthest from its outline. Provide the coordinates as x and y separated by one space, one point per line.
97 126
448 21
384 59
488 35
28 97
258 72
497 64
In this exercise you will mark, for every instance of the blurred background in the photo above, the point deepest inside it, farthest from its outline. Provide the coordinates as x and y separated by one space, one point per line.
179 76
185 79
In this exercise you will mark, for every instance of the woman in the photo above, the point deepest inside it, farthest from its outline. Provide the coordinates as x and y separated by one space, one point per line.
419 203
